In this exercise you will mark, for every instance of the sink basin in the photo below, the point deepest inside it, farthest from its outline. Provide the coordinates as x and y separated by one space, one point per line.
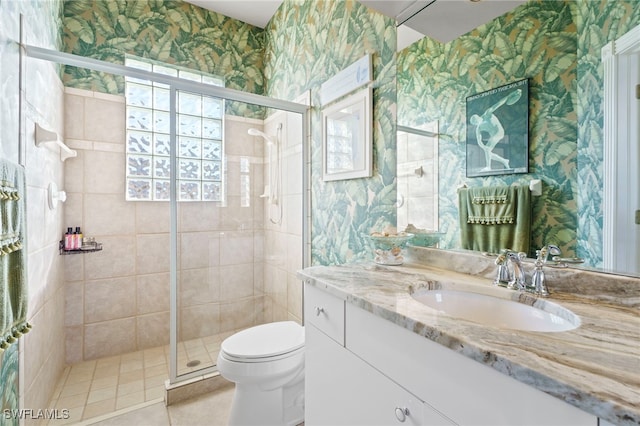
498 312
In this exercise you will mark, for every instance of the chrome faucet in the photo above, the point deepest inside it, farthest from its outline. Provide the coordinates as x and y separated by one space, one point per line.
505 274
519 279
511 272
537 277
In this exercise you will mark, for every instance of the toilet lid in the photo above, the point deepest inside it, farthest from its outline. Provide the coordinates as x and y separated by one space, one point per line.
266 340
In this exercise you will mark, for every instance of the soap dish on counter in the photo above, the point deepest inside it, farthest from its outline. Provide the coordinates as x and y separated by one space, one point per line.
388 248
424 237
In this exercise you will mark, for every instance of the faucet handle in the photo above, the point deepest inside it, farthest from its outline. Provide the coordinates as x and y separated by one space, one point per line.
518 278
502 257
503 274
538 284
543 253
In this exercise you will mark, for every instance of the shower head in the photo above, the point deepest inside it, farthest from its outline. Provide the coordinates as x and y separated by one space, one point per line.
256 132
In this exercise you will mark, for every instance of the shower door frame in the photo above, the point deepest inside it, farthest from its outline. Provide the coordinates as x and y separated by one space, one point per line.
175 84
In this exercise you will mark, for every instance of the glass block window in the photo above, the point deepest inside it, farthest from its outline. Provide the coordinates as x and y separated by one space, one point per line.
340 137
199 135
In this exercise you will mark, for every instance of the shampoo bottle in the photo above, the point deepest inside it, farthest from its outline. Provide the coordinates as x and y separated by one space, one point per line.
78 238
68 240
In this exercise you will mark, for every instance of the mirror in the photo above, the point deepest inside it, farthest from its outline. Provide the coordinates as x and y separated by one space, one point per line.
417 168
621 233
543 42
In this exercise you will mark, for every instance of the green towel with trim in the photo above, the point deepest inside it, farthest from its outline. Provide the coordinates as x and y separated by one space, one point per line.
13 254
495 218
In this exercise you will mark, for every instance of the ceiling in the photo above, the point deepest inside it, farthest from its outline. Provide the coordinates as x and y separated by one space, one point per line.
443 20
254 12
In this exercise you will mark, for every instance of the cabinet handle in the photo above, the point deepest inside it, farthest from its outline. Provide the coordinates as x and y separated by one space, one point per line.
319 311
402 414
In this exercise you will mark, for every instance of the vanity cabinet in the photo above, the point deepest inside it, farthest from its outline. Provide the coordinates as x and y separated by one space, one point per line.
342 389
363 370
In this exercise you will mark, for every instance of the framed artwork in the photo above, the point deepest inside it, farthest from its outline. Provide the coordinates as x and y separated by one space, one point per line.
498 131
346 138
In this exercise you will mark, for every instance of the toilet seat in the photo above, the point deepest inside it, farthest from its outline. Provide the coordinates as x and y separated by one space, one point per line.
266 342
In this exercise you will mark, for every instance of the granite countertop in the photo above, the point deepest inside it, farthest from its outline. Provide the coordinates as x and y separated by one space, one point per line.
595 367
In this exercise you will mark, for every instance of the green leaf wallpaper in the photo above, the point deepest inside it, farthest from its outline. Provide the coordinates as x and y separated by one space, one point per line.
306 43
556 45
170 31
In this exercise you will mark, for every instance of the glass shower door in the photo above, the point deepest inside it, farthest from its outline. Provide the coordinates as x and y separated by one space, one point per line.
219 228
221 280
200 193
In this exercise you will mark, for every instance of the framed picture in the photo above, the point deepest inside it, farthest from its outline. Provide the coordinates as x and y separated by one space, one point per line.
346 134
498 131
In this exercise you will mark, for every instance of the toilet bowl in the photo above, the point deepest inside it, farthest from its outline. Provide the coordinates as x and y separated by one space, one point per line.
266 363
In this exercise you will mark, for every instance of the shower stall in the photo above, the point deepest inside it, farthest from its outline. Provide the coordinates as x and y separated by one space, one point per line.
197 194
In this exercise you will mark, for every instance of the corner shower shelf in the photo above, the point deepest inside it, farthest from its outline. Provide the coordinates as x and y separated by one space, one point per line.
88 249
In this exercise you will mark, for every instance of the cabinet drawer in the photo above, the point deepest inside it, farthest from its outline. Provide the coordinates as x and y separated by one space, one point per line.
324 311
343 390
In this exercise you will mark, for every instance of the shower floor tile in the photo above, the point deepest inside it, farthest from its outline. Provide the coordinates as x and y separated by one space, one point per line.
99 387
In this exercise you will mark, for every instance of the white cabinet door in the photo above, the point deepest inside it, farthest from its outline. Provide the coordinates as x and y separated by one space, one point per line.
341 389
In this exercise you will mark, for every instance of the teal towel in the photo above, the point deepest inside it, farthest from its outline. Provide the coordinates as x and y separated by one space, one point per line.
495 218
13 254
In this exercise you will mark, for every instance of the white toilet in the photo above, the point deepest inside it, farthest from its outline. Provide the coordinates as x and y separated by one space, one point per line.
266 363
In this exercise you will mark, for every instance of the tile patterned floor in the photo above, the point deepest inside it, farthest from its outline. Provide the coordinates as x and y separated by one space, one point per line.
211 409
99 387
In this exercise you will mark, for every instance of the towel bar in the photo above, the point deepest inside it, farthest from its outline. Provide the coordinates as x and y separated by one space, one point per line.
535 186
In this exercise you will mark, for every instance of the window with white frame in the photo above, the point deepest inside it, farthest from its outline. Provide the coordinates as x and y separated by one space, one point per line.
199 137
